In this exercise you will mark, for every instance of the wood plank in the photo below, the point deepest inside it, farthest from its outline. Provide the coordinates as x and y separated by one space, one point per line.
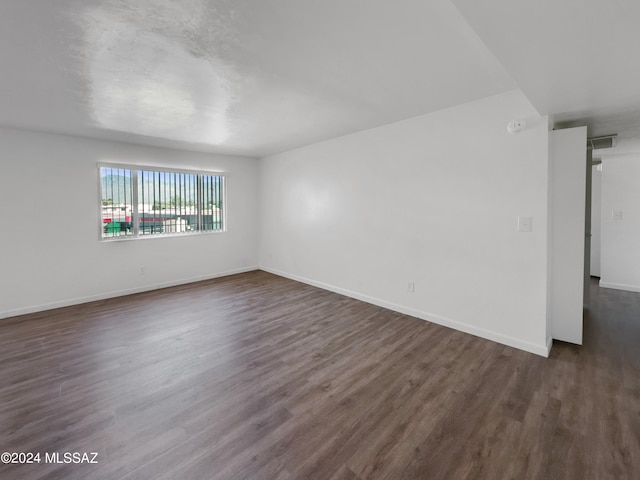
257 376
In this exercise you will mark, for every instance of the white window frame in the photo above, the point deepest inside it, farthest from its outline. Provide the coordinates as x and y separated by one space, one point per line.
135 203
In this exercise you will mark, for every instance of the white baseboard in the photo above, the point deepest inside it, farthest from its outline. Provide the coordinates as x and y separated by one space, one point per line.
120 293
542 350
620 286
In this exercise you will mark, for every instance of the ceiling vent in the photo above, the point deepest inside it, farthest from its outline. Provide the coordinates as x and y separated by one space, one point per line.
607 141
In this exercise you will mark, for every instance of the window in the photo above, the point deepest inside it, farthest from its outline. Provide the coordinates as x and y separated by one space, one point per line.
142 202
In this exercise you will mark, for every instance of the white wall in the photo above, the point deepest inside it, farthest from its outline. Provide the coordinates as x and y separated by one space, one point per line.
620 258
596 214
51 255
568 164
432 200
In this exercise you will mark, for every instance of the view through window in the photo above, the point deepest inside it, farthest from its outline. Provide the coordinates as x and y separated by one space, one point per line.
140 202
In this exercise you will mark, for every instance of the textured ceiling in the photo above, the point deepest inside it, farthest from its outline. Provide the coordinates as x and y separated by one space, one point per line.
249 77
255 77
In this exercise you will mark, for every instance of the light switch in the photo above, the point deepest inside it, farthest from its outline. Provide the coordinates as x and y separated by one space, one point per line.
524 224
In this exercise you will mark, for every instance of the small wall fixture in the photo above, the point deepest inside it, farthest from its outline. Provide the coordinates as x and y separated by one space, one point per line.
516 126
605 141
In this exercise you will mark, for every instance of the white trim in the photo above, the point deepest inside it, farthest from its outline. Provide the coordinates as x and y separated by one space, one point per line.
128 238
620 286
159 168
99 204
121 293
542 350
224 204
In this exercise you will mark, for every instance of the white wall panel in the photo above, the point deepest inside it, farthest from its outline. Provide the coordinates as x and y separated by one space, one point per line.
51 255
432 200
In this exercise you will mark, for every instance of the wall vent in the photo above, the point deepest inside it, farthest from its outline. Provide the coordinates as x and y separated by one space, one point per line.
606 141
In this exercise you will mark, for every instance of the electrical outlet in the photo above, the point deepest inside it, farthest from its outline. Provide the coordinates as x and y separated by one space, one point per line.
141 269
411 287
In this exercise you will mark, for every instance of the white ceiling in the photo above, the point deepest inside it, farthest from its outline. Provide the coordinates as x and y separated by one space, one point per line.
255 77
576 60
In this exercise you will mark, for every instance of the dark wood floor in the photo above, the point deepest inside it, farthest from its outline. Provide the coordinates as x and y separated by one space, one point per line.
258 377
